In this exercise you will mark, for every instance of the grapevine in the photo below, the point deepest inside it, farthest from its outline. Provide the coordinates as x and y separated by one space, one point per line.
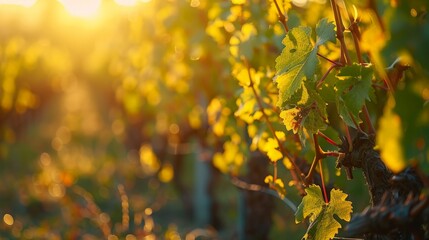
288 101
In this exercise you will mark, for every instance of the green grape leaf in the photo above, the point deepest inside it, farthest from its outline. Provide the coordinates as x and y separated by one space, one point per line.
323 225
353 88
313 121
317 116
325 32
328 91
300 97
310 115
298 60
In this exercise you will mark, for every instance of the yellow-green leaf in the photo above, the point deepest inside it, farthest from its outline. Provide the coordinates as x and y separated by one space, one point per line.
389 137
323 225
271 148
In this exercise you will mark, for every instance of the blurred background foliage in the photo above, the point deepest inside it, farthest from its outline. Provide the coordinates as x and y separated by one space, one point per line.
118 118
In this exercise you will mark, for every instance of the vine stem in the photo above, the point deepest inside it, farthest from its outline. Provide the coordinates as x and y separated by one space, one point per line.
382 87
371 128
345 57
336 64
355 122
349 137
282 17
328 139
322 79
325 195
354 29
296 171
257 188
320 154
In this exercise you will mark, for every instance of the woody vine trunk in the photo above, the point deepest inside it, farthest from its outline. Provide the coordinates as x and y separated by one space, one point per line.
393 197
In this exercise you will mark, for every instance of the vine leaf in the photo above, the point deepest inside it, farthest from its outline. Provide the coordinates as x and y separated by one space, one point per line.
317 117
271 147
325 32
291 119
323 225
294 63
389 136
353 88
298 59
310 114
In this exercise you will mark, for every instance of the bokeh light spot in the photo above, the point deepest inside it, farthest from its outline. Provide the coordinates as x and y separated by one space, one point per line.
413 12
174 128
45 159
148 211
8 219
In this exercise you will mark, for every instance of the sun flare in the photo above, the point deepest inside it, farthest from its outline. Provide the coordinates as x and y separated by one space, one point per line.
82 8
126 2
25 3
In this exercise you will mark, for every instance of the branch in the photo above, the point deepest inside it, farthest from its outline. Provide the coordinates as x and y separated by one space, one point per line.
296 171
371 128
320 154
322 79
355 122
328 139
329 60
317 157
349 137
322 179
282 17
340 34
257 188
354 29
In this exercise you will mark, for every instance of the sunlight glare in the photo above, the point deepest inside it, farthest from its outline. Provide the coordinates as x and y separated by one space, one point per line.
130 3
126 2
82 8
25 3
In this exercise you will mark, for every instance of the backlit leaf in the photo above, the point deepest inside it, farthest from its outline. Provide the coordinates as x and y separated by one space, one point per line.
312 116
231 159
298 60
295 62
389 135
291 119
323 225
271 148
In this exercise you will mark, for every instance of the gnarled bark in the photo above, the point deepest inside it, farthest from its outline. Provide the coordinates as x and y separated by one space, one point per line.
396 212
